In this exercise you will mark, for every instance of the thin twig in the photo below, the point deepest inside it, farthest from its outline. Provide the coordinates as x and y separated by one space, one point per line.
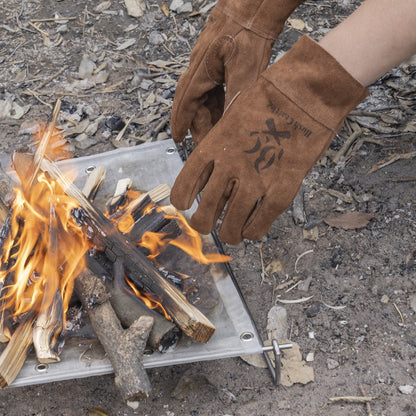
44 142
367 404
348 143
398 311
52 19
351 399
48 80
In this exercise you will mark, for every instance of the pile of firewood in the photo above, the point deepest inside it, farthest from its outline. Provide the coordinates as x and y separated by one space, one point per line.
121 320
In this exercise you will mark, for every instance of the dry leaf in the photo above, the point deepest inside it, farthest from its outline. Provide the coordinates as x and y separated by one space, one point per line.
135 8
275 266
297 24
294 369
311 234
349 220
126 44
103 6
165 9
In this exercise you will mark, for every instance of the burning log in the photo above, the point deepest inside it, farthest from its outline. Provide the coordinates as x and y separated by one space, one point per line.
124 347
139 268
128 307
14 355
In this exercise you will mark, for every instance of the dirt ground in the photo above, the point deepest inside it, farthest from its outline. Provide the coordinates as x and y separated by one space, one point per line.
360 322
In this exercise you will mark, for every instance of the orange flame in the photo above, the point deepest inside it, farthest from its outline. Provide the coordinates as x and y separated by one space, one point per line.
188 241
147 299
45 249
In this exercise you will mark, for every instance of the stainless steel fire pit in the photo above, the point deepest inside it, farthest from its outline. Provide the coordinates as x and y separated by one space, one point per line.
149 165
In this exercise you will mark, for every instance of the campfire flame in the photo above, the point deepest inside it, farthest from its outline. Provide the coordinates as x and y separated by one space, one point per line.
188 241
147 299
45 248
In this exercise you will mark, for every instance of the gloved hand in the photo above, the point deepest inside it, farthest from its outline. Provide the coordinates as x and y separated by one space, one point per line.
234 48
257 155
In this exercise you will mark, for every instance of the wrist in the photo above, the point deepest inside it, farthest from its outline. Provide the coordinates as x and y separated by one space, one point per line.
266 18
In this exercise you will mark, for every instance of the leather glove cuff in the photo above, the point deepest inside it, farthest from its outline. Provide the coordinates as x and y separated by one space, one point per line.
310 77
264 17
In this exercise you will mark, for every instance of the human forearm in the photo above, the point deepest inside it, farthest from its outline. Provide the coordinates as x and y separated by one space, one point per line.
375 38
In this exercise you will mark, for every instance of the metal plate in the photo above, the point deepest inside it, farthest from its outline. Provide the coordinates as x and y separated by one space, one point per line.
149 165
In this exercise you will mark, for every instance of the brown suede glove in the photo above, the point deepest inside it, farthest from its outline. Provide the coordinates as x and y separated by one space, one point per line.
256 157
234 48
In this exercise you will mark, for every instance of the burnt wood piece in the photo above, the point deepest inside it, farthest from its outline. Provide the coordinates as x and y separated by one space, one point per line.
152 221
137 206
120 195
124 347
141 270
128 307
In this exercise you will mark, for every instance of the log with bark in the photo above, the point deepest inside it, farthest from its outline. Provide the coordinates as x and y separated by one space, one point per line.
124 347
128 307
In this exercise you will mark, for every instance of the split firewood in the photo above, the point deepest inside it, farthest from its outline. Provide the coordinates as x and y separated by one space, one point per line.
14 355
139 268
48 326
94 179
5 324
135 208
124 347
120 194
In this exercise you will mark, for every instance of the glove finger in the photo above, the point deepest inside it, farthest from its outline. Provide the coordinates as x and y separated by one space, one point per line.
242 70
212 203
203 79
267 211
209 114
190 181
239 208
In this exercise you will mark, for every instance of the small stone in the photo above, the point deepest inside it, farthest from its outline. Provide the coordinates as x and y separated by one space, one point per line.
133 405
311 335
310 356
62 29
185 8
412 301
406 389
332 364
146 84
86 67
313 310
115 123
384 299
155 38
176 4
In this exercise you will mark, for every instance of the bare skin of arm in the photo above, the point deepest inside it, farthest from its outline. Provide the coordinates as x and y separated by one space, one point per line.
378 36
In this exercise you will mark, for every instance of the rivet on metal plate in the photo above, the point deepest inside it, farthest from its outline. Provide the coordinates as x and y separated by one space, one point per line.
170 150
89 169
42 368
246 336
